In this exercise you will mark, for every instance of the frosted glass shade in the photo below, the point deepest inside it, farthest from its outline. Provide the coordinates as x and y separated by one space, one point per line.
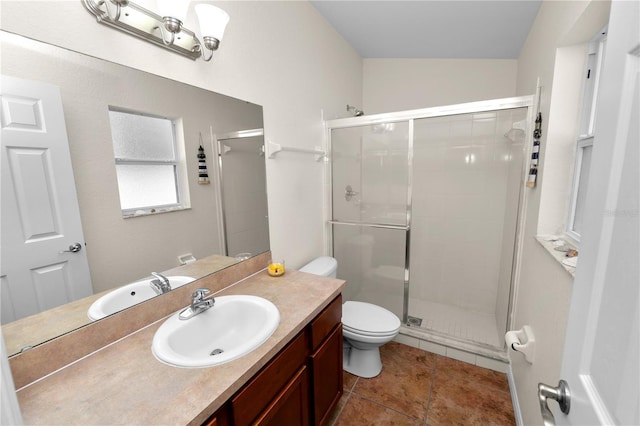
174 8
213 20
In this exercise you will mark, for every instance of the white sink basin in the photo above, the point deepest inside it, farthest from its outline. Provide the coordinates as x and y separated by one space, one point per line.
129 295
233 327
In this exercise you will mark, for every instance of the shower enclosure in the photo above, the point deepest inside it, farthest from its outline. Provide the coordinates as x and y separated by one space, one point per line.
424 212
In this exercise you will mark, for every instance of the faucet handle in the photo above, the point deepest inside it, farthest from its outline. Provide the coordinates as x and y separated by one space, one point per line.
199 294
160 277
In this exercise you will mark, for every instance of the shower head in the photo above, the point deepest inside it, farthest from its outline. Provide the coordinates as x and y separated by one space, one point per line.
356 112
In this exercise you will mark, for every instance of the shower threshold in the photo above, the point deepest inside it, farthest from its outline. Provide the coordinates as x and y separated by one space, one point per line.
441 339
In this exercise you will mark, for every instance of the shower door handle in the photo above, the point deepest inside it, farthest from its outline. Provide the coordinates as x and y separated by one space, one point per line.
349 193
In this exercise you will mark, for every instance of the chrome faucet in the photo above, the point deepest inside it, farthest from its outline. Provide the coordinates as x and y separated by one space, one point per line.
161 284
199 304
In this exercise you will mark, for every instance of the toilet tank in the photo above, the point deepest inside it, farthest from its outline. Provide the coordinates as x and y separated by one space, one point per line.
325 266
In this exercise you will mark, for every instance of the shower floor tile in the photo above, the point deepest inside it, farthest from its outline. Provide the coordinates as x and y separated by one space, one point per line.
454 321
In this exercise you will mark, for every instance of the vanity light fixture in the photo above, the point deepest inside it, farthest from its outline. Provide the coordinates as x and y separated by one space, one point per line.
166 27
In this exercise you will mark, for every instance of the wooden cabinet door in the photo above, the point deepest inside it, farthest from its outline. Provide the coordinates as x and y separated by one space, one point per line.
327 376
291 406
219 418
253 399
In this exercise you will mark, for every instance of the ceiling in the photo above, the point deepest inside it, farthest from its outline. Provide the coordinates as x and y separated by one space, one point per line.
432 29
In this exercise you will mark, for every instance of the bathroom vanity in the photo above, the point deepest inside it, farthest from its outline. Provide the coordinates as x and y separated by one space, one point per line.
300 385
295 377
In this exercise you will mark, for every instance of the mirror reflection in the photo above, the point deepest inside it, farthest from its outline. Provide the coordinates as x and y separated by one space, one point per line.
47 152
244 192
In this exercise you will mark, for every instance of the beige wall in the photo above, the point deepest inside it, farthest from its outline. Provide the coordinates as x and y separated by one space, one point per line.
281 55
402 84
544 288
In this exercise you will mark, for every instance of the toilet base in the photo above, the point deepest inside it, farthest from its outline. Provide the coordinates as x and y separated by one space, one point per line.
362 363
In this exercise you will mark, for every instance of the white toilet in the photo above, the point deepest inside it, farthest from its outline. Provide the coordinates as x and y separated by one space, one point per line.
365 326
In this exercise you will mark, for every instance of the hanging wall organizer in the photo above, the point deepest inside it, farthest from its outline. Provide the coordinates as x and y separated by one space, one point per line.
533 168
203 174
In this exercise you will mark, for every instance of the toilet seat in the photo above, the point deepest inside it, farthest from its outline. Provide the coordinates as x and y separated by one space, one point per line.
367 319
363 333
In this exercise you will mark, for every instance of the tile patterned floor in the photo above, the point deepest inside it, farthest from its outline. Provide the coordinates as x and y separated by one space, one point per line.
421 388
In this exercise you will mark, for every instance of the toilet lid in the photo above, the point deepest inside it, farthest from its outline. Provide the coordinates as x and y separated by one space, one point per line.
368 318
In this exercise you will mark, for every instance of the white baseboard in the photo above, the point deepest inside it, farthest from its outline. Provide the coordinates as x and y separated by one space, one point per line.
514 397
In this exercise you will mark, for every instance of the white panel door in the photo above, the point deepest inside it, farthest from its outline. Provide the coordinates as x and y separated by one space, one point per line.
601 361
40 214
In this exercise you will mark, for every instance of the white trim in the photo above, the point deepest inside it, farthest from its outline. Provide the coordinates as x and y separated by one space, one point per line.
9 406
601 41
522 208
575 186
514 397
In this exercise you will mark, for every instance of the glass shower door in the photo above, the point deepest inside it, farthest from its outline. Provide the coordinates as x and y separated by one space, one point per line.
464 216
370 181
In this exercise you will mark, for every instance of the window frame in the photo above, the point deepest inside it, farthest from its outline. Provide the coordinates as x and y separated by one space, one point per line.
586 125
577 172
177 164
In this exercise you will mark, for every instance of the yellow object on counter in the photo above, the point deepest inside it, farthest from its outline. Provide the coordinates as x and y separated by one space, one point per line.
276 269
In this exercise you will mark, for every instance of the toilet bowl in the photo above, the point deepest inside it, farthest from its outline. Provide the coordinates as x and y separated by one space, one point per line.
365 326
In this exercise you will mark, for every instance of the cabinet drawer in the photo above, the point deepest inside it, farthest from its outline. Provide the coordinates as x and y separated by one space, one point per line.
259 392
325 322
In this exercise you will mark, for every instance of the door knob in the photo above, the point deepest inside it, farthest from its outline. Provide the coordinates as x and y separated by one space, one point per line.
560 394
73 248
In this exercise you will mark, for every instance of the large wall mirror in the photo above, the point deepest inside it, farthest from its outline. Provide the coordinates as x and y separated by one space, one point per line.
121 245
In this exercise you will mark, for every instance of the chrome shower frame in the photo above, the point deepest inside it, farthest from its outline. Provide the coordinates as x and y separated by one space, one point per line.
529 102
